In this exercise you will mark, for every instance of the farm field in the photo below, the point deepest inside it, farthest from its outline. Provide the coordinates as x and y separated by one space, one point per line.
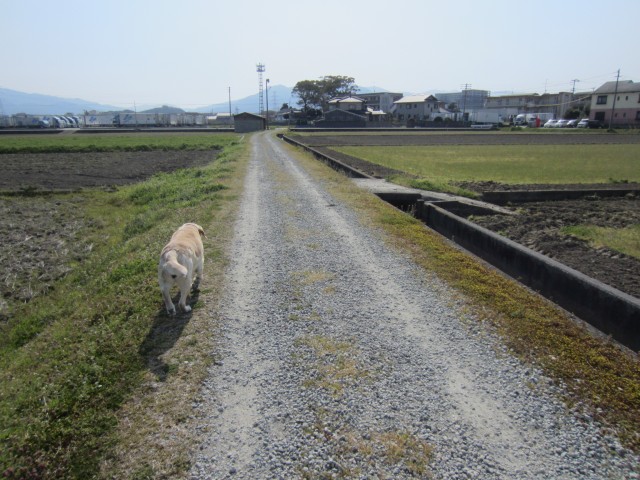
477 162
416 138
510 164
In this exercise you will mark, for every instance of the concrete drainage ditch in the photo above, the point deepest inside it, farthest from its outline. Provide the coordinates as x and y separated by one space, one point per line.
611 311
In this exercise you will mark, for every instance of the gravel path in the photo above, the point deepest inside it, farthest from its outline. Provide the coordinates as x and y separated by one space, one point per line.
340 359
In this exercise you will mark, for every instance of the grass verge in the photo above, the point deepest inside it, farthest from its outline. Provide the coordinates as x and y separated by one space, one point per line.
598 375
95 364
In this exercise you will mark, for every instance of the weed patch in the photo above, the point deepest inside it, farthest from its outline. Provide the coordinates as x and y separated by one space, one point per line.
335 363
624 240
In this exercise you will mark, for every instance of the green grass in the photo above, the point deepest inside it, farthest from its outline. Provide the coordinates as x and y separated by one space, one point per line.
624 240
553 164
69 360
113 142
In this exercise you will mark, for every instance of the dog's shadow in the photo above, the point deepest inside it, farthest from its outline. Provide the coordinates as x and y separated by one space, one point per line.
163 335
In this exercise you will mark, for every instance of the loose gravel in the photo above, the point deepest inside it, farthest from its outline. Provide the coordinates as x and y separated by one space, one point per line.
339 358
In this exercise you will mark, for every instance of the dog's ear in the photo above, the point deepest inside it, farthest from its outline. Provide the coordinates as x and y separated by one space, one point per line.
201 232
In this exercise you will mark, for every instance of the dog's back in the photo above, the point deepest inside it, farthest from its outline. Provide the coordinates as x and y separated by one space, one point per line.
186 240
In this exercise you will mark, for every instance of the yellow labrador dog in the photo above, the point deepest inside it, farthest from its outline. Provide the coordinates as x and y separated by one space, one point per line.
180 259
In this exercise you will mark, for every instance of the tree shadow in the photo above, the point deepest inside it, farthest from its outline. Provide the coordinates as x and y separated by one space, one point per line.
164 333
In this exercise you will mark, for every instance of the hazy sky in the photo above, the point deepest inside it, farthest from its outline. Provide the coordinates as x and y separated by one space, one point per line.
187 53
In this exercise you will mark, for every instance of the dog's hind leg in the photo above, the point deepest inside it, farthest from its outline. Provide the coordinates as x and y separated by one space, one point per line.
166 295
198 272
185 286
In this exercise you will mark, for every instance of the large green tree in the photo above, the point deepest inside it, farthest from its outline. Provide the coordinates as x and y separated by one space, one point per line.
316 93
309 92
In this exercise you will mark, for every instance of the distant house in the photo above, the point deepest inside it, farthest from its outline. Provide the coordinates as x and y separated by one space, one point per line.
377 116
555 104
416 108
380 101
339 118
627 109
466 100
348 104
220 119
248 122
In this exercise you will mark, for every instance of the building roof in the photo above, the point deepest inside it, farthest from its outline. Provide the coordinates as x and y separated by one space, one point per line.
377 93
416 99
516 95
624 86
247 115
347 100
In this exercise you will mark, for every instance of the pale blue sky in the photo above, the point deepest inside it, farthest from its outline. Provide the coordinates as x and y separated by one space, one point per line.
188 52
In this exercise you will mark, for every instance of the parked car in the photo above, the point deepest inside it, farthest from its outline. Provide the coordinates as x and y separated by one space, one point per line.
596 124
561 123
550 123
584 123
572 123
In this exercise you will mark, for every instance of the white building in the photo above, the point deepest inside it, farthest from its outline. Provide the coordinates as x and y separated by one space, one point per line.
627 108
416 108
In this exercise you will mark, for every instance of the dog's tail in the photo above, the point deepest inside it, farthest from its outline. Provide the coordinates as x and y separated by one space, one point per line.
173 267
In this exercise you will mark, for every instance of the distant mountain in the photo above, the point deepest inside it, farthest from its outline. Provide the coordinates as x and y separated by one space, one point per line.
12 101
164 109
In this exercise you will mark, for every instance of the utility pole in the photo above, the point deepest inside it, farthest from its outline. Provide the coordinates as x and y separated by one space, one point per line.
464 101
573 90
230 116
267 115
615 94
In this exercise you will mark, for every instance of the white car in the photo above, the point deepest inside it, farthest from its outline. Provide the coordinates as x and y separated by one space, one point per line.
561 124
550 123
584 123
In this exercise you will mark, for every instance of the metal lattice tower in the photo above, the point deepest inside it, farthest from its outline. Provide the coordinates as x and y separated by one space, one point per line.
260 70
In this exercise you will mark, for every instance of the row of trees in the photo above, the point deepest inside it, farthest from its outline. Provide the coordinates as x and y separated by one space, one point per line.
314 94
